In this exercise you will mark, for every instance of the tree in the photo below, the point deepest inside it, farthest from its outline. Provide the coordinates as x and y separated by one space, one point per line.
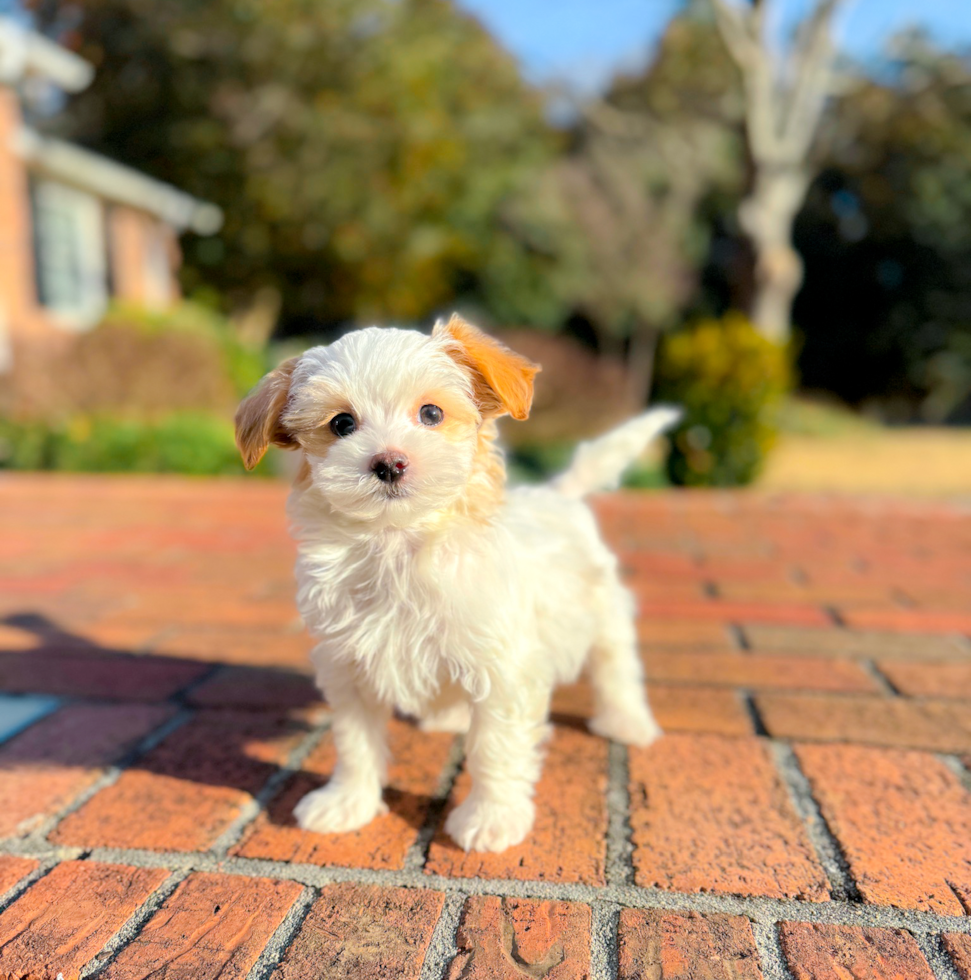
784 101
886 238
360 149
619 212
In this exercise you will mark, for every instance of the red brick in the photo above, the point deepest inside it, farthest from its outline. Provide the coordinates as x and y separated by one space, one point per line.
567 840
676 634
939 725
930 679
848 594
417 761
232 645
852 643
738 612
96 674
669 946
903 821
13 869
358 931
959 948
65 918
677 707
512 938
686 708
188 790
823 952
212 926
909 620
254 687
46 766
754 670
710 814
12 638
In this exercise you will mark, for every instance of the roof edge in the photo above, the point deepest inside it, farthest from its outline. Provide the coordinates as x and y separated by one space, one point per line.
116 182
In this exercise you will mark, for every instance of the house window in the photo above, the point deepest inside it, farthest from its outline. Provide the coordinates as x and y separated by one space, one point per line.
70 250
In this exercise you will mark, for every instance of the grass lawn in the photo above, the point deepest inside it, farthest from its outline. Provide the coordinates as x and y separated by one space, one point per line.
823 447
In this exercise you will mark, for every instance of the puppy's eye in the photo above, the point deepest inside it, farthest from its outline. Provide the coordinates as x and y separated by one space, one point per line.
342 425
430 415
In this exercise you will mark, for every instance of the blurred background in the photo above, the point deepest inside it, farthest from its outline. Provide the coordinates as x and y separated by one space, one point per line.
759 210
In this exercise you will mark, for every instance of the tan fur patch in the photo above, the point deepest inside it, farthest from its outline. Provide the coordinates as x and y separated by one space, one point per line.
258 416
486 488
502 380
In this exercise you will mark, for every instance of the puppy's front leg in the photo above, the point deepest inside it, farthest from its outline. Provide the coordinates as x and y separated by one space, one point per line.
352 797
504 759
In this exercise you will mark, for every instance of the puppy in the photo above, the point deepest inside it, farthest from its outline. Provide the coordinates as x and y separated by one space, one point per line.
430 589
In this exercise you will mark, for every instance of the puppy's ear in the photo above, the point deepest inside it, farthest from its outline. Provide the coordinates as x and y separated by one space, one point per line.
502 381
258 416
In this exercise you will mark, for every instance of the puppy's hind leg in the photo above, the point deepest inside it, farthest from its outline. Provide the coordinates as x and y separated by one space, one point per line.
614 667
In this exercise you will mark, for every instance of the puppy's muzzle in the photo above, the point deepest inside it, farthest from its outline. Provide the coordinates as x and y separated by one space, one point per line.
389 467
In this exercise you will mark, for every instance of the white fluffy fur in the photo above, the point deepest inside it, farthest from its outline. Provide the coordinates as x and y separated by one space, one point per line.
459 620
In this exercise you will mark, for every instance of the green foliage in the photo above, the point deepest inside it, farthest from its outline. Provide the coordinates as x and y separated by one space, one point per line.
138 364
886 238
243 365
731 382
360 149
180 443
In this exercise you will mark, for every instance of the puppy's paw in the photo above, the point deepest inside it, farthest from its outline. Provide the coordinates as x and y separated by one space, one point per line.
456 719
338 809
632 727
478 825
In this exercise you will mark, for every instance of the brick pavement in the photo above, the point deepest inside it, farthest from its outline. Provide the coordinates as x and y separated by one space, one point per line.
808 814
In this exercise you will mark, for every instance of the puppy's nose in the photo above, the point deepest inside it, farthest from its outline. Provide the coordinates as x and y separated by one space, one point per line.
389 467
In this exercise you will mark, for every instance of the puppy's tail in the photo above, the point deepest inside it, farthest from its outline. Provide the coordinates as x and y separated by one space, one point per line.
600 463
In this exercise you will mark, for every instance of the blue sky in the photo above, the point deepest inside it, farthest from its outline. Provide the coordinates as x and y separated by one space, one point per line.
584 41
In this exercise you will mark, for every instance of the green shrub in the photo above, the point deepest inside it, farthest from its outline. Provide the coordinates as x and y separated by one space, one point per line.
136 363
731 382
182 442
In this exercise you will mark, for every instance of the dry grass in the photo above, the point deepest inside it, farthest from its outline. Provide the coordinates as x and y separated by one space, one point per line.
825 448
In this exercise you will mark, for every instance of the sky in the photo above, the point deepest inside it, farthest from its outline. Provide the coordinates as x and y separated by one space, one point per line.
583 42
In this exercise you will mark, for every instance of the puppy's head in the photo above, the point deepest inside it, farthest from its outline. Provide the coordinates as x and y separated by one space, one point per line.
388 419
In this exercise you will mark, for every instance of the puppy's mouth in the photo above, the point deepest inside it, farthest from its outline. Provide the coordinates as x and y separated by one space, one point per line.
393 491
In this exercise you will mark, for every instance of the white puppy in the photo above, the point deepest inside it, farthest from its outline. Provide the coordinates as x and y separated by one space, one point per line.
427 586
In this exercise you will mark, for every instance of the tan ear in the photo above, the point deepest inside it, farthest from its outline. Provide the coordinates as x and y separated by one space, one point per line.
502 380
258 416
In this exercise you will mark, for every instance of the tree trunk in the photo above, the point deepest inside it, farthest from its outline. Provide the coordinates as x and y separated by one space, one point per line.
767 216
640 364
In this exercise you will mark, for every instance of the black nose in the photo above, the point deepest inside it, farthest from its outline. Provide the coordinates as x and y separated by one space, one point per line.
389 467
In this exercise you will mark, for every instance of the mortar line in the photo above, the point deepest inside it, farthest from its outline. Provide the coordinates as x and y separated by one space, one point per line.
736 634
747 697
15 891
132 926
824 842
443 946
771 957
283 936
619 843
886 686
181 696
756 908
111 774
835 615
277 779
604 929
942 966
957 766
417 853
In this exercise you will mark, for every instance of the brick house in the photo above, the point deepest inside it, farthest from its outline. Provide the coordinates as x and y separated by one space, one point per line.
76 229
